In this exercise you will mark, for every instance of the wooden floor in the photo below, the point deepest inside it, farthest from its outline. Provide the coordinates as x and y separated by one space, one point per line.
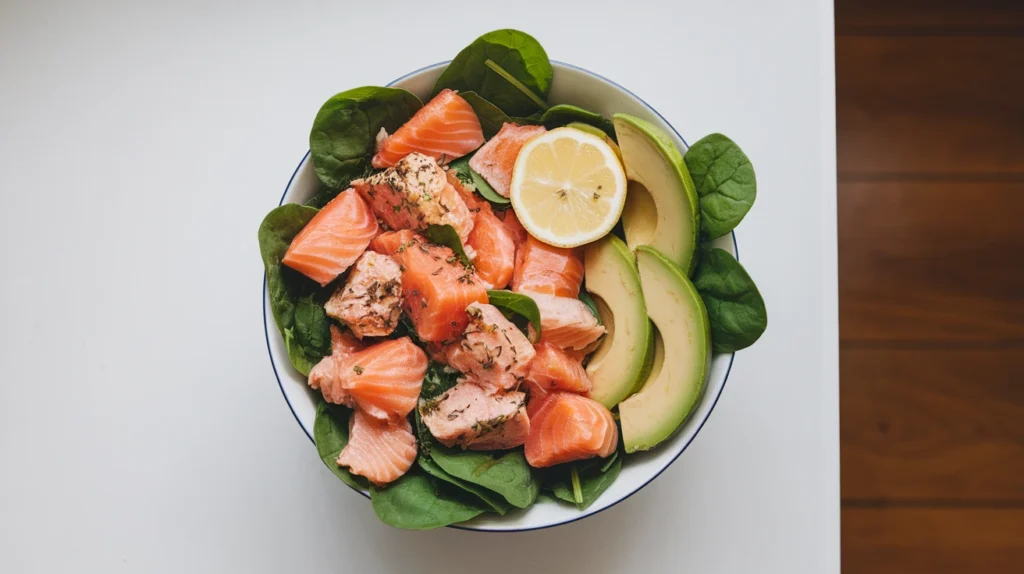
930 106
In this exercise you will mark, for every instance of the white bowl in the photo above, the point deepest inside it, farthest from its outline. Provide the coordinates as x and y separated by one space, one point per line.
588 90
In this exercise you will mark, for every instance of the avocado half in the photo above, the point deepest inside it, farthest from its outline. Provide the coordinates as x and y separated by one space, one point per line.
621 363
682 356
662 207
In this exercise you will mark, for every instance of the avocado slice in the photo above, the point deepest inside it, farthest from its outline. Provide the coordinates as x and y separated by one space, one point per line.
662 207
681 364
621 362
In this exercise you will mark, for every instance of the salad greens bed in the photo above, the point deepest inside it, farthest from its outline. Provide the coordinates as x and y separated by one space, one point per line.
505 76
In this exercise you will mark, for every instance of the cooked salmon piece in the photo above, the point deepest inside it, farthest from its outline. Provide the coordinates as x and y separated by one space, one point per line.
370 301
493 352
511 221
436 287
333 239
553 369
385 379
497 157
495 249
542 268
326 375
567 427
415 194
380 450
445 129
466 415
565 323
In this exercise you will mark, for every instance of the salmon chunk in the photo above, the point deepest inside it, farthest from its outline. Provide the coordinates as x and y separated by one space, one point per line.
495 248
565 323
553 369
385 379
567 427
497 157
445 129
468 416
331 241
436 287
382 451
414 194
493 352
326 375
542 268
370 301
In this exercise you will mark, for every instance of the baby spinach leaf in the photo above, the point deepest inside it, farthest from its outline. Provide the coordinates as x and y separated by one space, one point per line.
302 359
517 78
312 326
475 182
343 138
593 479
725 182
736 310
497 503
418 502
533 119
290 290
491 117
447 236
437 381
504 472
565 114
330 432
323 196
519 304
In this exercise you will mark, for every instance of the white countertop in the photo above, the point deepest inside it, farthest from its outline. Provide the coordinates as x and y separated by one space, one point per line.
141 428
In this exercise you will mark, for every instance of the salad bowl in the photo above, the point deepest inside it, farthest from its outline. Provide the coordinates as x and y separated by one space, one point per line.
571 85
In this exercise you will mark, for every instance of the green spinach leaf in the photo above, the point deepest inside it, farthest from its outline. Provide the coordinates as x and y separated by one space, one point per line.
491 117
519 304
475 182
491 499
533 119
565 114
736 310
594 477
417 502
437 381
330 432
290 291
312 326
447 236
323 196
506 67
344 134
725 182
504 472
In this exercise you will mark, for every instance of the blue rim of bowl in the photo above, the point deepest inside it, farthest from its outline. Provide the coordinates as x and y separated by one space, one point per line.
728 370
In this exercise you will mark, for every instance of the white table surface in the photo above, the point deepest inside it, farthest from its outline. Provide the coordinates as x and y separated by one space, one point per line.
141 428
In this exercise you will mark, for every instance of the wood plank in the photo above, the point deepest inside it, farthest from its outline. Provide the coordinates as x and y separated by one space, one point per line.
934 425
926 261
930 105
936 541
922 16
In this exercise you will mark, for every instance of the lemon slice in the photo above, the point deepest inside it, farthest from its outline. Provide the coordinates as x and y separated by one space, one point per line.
568 187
